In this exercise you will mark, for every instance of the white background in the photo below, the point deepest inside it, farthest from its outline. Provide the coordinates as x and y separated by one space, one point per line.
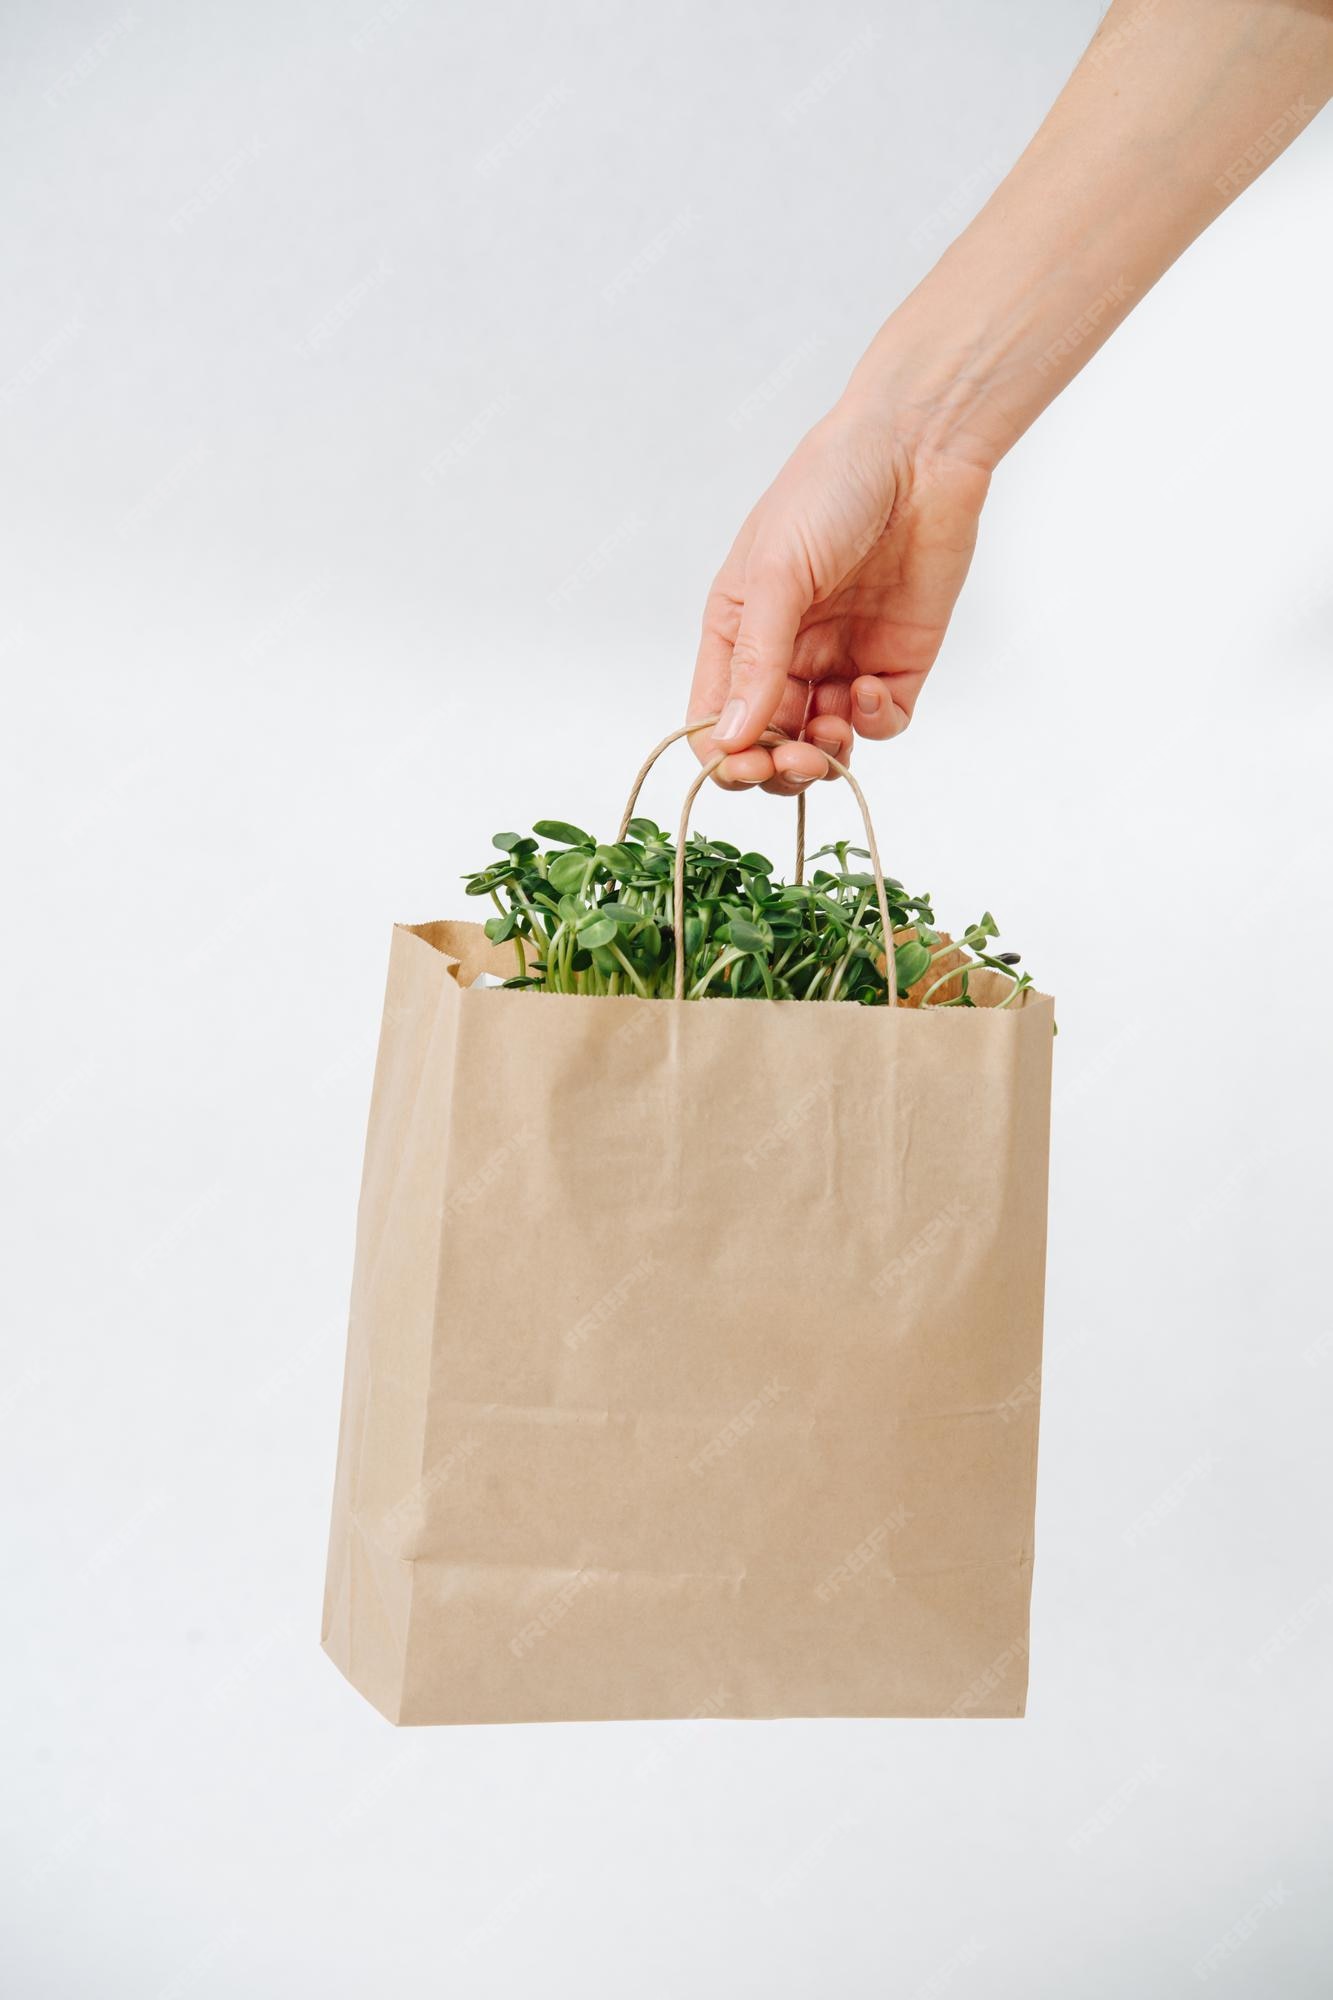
356 503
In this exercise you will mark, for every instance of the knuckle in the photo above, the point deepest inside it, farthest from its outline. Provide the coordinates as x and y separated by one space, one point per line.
747 661
768 564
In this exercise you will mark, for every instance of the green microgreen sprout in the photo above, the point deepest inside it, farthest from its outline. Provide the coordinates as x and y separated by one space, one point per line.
589 917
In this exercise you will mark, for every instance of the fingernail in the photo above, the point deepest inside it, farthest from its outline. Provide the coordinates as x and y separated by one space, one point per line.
868 700
731 722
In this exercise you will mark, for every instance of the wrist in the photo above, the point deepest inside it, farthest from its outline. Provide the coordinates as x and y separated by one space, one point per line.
1009 314
962 368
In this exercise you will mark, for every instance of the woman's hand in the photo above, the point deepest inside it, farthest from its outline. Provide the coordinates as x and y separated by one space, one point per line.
828 613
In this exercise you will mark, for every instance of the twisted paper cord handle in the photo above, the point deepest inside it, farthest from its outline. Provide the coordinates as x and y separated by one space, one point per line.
678 899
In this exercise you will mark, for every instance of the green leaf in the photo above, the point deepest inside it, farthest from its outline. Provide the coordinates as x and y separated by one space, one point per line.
911 962
745 934
560 829
569 871
750 937
645 947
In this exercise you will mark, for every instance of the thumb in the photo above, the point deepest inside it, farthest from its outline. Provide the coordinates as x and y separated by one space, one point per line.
776 599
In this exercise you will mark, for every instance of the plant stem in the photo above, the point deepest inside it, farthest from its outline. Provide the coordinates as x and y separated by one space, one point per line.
640 988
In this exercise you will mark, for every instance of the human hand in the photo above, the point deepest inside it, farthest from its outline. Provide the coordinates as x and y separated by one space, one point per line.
828 614
830 609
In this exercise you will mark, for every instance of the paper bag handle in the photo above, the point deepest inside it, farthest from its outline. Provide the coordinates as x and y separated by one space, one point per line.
678 897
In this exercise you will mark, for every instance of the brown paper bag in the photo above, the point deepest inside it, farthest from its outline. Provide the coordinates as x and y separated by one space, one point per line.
694 1354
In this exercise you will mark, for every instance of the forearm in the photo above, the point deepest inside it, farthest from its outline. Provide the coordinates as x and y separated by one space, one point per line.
1176 107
